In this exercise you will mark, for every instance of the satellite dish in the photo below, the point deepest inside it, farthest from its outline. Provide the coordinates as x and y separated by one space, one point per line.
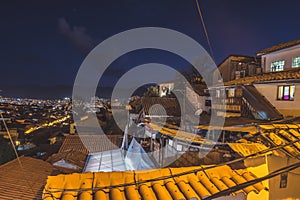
198 112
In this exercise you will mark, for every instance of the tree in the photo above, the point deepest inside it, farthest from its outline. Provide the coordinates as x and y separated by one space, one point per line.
151 92
6 151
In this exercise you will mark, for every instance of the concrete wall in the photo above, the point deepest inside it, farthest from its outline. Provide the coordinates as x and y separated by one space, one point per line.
287 108
225 70
284 54
259 167
246 66
262 166
292 190
197 101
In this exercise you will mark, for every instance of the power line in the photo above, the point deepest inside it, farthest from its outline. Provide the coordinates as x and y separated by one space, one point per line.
204 28
252 182
201 168
213 196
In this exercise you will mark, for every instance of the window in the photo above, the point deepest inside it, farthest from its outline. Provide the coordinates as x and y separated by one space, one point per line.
208 103
277 66
296 62
283 180
230 92
218 93
286 92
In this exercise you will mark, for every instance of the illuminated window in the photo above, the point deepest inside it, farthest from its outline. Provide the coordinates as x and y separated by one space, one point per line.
286 92
218 93
277 66
296 62
230 92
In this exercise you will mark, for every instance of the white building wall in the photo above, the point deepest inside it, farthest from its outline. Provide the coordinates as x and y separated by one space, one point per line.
168 86
287 108
197 101
285 54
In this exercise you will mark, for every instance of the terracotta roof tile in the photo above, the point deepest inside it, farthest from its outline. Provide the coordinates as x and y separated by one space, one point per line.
71 143
292 74
28 183
166 183
247 149
75 158
171 106
273 135
278 47
90 143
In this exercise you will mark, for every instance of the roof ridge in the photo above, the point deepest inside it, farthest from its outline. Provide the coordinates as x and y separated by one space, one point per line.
279 46
14 160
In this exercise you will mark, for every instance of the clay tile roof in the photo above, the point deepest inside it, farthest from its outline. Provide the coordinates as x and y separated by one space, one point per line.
276 135
171 106
28 183
90 143
73 142
149 184
292 74
282 134
76 158
278 47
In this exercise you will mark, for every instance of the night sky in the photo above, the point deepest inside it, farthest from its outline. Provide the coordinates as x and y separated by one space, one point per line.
44 43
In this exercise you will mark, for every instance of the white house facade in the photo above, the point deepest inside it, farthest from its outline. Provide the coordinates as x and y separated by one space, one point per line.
281 57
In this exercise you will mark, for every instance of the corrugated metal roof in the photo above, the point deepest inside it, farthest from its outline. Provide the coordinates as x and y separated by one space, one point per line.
28 183
149 184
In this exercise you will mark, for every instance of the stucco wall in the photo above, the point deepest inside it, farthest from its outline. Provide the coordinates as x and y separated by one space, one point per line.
285 54
259 167
292 190
262 166
287 108
196 100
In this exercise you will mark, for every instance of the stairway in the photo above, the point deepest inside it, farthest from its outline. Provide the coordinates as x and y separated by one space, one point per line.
257 105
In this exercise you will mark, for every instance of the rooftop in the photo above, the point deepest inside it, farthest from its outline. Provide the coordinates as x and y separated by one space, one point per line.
278 47
90 143
166 183
26 183
293 74
171 106
240 58
178 134
72 160
276 135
